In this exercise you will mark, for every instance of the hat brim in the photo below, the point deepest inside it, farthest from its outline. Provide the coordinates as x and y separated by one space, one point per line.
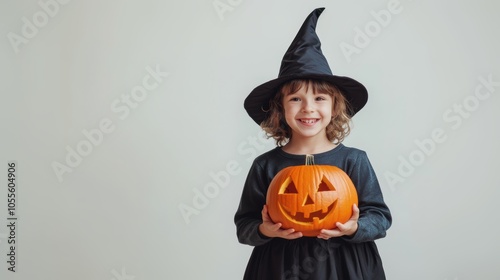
257 102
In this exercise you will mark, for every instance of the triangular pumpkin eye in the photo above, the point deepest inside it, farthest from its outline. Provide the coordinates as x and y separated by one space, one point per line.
291 188
308 201
325 185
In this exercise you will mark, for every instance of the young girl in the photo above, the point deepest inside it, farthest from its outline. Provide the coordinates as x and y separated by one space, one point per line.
307 111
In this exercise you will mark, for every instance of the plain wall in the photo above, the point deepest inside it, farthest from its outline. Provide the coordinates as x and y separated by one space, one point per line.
73 68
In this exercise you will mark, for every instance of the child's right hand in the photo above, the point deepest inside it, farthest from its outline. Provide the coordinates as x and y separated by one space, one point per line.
270 229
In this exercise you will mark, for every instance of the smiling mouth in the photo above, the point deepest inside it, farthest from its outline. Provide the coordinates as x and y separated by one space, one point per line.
312 217
308 121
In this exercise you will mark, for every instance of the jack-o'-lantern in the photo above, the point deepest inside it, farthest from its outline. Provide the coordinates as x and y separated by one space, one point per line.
311 197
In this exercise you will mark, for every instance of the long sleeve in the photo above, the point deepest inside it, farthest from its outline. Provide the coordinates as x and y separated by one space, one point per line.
352 257
248 217
375 217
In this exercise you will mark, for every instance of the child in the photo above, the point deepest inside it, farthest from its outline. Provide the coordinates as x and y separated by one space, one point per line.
307 111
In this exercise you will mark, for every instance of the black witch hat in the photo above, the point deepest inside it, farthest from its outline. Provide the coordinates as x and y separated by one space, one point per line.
304 60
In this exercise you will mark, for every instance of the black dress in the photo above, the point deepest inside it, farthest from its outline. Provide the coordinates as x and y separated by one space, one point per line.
342 258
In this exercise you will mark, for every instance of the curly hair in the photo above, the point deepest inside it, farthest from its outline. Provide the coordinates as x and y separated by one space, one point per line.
276 127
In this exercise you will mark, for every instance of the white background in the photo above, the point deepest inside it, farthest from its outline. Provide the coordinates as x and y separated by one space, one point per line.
116 214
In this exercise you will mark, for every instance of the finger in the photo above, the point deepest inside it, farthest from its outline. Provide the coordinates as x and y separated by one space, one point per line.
288 231
264 210
325 237
348 228
329 233
265 215
275 227
293 235
355 212
342 227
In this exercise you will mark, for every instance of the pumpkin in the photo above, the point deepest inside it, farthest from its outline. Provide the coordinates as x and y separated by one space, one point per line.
310 197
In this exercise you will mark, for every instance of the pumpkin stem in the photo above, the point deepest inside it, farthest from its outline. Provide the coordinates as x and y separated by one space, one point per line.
309 160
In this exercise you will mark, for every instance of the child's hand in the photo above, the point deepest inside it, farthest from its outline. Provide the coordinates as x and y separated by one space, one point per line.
270 229
348 228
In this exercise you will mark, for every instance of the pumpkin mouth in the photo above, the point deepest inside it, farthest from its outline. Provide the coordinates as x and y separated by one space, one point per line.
313 217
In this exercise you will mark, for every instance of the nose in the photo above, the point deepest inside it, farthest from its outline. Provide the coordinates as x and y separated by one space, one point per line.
308 201
307 106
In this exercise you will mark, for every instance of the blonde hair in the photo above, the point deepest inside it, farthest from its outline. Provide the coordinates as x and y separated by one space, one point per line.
276 127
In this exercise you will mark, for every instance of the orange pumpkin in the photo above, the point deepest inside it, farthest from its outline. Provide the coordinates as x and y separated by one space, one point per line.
311 197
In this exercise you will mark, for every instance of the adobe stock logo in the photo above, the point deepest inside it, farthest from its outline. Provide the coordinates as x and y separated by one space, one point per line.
311 262
39 19
122 275
224 6
454 117
203 195
373 28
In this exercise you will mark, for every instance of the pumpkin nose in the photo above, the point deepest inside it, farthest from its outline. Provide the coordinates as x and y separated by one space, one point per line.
308 201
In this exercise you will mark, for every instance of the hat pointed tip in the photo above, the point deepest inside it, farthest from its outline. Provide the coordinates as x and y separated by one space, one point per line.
319 10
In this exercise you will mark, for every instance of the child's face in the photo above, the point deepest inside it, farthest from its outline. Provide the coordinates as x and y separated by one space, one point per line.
308 113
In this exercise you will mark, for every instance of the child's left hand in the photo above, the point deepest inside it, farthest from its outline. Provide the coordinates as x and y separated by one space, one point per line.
348 228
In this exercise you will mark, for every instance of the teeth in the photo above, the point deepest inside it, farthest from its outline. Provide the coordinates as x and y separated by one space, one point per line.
306 214
308 121
316 221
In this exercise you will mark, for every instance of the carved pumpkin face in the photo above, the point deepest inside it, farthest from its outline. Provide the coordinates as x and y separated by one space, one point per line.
309 198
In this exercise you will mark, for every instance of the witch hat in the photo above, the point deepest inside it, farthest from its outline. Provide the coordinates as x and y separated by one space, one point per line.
304 60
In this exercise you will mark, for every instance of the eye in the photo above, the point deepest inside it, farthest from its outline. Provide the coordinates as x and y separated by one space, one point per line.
295 99
325 185
321 97
291 188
